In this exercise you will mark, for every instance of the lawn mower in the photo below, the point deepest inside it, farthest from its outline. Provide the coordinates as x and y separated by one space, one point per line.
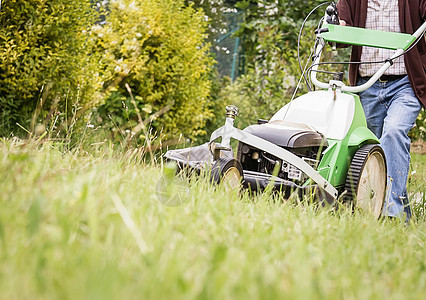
318 144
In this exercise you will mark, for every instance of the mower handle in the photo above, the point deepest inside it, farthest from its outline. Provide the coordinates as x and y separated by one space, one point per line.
356 89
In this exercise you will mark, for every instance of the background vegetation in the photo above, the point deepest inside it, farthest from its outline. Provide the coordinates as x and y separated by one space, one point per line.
129 68
157 50
58 58
48 66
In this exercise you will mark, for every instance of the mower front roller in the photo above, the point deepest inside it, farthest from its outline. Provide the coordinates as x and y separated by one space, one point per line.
227 172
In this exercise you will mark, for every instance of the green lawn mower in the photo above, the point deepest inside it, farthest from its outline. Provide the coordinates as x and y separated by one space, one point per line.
318 144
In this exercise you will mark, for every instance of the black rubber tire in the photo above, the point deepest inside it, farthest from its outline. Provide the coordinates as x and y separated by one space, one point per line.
223 166
359 185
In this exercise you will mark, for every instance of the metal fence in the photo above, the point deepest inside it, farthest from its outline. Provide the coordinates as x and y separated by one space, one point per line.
228 49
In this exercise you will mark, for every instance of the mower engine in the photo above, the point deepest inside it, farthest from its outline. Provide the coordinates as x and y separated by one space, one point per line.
299 139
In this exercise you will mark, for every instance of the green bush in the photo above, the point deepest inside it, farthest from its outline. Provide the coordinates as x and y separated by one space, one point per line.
47 64
419 130
156 52
269 81
269 34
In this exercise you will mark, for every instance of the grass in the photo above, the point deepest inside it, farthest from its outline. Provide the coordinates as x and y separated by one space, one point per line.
90 226
417 184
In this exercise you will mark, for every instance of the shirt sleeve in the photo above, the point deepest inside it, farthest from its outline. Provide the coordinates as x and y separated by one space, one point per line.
345 11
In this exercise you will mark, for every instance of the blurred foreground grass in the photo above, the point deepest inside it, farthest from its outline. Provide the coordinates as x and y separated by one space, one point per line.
90 226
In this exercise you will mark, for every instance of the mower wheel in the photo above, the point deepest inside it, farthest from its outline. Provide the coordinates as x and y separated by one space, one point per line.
228 172
366 181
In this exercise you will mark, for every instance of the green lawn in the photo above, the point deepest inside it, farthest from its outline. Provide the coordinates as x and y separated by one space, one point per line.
417 184
90 226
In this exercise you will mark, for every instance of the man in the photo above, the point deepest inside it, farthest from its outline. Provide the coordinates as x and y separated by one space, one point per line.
393 103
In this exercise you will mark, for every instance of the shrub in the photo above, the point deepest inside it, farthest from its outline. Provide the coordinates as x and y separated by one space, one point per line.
269 81
46 61
157 50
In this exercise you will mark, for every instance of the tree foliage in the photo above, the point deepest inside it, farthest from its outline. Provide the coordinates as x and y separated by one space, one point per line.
147 67
284 16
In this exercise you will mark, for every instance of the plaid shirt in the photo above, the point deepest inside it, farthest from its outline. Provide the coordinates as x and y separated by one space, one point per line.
381 15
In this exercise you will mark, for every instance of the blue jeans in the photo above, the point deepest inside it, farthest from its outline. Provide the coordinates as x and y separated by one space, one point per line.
391 109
